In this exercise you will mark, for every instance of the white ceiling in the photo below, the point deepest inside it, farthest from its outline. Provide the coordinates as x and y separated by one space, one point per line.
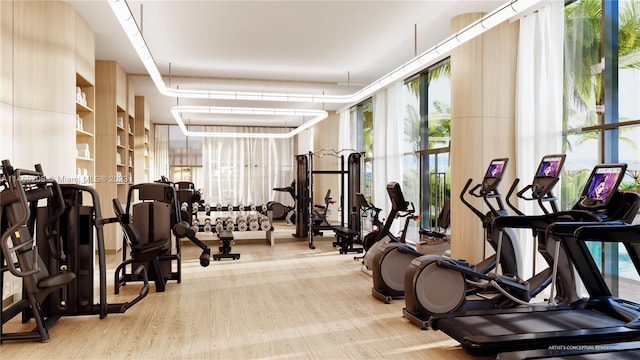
315 47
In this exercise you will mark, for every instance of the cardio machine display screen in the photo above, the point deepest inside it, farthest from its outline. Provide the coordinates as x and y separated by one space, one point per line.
494 174
602 184
495 169
550 166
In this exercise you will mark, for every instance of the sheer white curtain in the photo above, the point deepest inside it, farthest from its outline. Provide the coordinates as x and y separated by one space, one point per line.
538 96
161 152
246 170
539 87
388 122
344 131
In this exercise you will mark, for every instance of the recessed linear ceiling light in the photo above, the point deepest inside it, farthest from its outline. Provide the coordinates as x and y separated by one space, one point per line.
176 111
503 13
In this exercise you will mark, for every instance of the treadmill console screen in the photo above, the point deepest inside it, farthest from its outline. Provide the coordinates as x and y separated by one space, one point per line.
494 174
548 174
602 184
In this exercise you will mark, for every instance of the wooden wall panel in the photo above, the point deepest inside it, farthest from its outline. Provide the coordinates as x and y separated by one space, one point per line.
55 151
85 50
482 123
6 131
121 88
142 121
466 72
6 52
500 59
466 140
44 55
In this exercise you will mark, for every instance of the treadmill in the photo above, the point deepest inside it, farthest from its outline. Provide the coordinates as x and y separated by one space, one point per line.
629 235
599 318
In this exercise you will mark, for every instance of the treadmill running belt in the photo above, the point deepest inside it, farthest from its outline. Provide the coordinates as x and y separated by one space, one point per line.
494 333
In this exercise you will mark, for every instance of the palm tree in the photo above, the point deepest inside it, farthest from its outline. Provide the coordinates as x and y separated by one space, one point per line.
583 42
583 74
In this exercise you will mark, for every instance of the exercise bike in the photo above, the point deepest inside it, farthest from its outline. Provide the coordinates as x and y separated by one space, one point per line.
281 211
320 212
399 209
376 224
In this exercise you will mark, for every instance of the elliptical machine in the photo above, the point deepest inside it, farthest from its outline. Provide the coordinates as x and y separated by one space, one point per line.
376 223
436 285
391 260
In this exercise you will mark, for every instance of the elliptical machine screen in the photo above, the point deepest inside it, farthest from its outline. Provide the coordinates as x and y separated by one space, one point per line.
494 174
548 174
550 166
602 183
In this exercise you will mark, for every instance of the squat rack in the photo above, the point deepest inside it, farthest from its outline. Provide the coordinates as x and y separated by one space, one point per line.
305 226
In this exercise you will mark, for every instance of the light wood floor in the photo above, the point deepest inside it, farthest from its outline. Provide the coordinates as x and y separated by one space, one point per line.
281 302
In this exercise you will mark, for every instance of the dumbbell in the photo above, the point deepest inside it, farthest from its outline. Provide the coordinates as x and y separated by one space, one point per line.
207 208
252 206
240 207
264 223
207 225
229 225
184 206
218 207
195 207
219 225
242 223
254 225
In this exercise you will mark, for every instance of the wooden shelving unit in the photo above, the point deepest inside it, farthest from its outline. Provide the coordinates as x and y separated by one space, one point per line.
114 135
130 126
85 130
142 141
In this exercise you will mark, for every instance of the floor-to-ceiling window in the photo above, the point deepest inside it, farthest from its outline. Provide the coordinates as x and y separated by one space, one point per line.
601 119
427 134
185 156
364 115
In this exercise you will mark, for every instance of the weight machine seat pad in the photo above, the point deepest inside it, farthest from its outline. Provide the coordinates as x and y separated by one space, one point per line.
225 235
344 231
153 246
56 280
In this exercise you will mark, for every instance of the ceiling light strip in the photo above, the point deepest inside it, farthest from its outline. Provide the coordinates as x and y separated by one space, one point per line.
177 111
503 13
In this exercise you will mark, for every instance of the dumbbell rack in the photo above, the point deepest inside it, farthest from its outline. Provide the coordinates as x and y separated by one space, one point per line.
237 218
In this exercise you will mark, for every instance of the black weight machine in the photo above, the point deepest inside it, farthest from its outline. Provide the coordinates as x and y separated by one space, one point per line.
349 172
184 192
57 266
